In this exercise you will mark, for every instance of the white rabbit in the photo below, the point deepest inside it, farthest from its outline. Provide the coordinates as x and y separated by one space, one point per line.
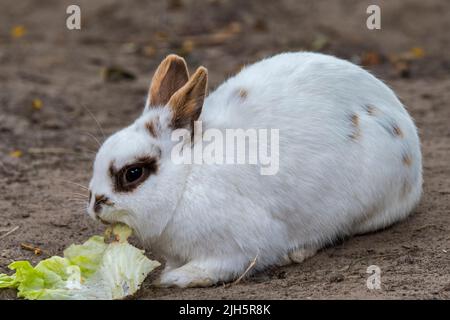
349 163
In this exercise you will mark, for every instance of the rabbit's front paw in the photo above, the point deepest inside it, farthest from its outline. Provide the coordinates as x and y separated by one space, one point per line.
300 255
184 277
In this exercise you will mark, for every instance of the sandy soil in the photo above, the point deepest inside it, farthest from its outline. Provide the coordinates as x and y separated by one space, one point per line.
62 68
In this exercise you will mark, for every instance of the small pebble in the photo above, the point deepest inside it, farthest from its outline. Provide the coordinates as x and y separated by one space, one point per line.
339 277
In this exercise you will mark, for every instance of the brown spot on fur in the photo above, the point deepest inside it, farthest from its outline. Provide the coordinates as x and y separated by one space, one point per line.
187 103
406 189
397 131
407 161
371 110
170 76
356 129
153 128
243 93
355 120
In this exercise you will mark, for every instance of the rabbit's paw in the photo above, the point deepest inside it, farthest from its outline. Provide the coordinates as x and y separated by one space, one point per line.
300 255
185 277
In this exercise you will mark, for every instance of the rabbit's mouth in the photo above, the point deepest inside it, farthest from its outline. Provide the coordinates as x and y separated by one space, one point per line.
104 221
111 215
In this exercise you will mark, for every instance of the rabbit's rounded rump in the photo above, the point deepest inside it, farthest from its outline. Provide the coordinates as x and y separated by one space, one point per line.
346 160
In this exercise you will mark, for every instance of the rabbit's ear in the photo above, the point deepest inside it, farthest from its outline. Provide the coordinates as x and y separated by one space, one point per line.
187 102
170 76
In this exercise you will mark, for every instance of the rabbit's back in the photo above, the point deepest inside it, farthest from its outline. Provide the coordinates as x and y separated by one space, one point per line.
349 154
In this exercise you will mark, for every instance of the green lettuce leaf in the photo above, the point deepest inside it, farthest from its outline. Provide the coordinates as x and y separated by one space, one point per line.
124 268
87 256
93 270
40 281
7 281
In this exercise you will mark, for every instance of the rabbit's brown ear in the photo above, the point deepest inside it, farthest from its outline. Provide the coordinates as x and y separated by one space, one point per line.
170 76
187 102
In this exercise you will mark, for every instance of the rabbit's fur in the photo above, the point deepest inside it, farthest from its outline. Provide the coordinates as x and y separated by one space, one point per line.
349 163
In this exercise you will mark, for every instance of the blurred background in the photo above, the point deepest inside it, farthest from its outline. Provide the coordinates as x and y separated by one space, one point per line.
62 91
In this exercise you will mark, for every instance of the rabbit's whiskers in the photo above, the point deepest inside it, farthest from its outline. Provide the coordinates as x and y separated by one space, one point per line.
77 195
95 119
75 184
91 136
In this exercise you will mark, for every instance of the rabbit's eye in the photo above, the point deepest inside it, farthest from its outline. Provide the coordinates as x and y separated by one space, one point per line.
133 173
131 176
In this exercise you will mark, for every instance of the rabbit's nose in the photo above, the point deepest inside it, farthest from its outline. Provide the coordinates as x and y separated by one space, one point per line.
100 200
96 203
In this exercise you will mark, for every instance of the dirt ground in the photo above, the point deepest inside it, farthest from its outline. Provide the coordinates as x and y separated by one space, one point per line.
52 83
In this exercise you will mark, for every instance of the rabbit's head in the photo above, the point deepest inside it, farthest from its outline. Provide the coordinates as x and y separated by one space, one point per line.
135 180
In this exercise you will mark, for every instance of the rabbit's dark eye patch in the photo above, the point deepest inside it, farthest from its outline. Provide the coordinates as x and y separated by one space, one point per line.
131 176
